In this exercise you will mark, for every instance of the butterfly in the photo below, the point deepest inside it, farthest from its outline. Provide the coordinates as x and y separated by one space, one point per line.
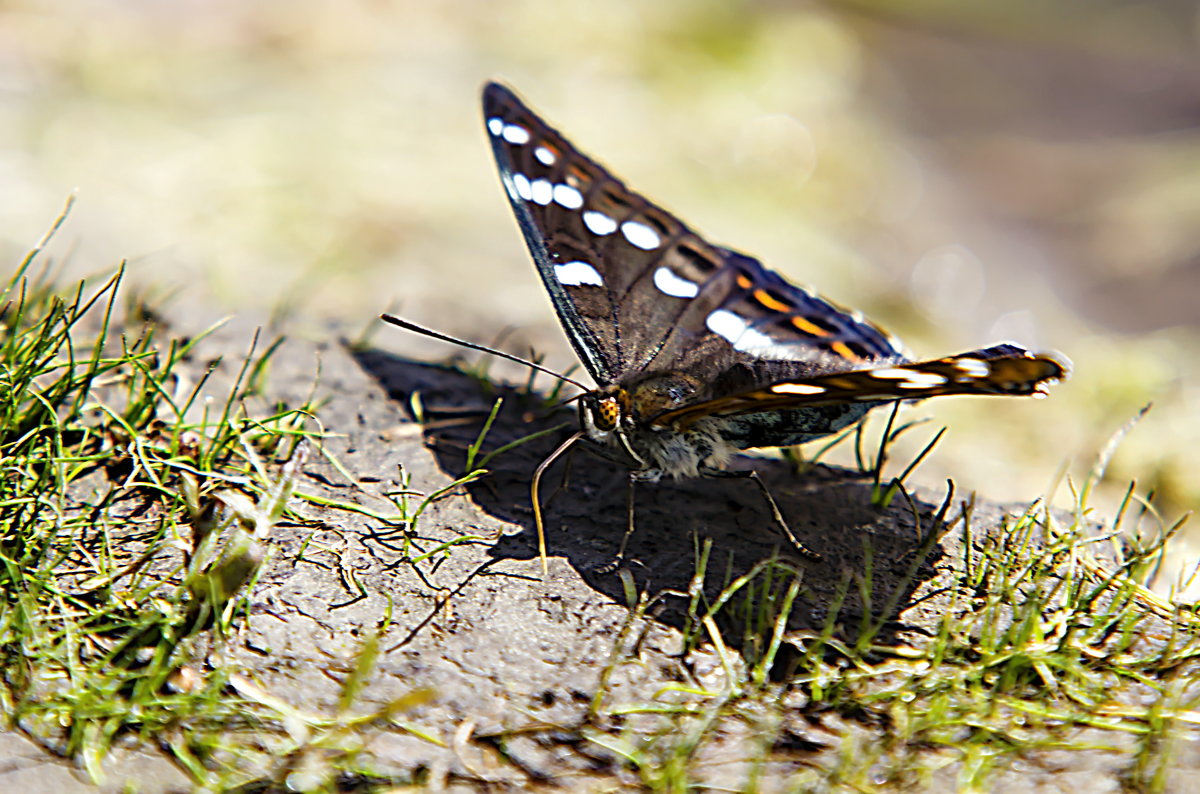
698 351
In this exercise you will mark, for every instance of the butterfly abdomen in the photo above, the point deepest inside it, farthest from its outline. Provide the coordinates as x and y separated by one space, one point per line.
679 454
787 427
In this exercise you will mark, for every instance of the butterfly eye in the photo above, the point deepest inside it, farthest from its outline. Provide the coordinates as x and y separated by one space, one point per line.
608 413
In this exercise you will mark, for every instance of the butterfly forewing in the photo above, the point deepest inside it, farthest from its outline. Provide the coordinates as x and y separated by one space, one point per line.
765 323
591 238
638 291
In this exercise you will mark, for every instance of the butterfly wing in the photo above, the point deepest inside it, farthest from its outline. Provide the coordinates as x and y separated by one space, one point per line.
637 291
1005 369
642 296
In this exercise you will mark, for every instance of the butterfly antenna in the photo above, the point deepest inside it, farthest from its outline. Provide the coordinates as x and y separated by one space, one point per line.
570 400
537 504
406 325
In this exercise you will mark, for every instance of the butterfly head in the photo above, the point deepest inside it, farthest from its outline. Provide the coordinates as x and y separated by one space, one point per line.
619 421
606 411
604 417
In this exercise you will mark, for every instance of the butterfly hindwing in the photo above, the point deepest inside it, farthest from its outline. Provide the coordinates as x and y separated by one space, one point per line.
1005 369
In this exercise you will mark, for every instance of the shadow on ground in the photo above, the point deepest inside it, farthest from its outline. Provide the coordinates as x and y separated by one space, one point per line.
584 502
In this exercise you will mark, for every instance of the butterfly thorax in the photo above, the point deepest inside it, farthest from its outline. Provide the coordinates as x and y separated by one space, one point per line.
618 420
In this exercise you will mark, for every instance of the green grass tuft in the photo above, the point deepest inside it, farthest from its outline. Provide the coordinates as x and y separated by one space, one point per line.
1041 649
134 518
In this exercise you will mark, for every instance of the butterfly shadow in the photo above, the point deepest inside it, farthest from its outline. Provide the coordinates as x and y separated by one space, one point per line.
873 560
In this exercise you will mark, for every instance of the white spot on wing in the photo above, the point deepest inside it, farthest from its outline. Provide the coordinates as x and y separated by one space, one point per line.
923 380
671 284
726 324
544 155
567 196
892 374
522 186
752 341
599 223
577 273
641 235
495 125
542 191
515 134
734 330
972 367
909 378
737 332
797 388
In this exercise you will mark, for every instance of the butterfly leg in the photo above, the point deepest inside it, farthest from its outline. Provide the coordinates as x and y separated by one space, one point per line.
616 561
776 514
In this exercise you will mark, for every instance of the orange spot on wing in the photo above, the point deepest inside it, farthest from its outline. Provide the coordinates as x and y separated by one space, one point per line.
843 350
577 177
744 281
809 328
767 300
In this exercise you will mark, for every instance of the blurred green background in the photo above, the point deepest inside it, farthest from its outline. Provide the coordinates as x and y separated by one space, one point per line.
962 172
